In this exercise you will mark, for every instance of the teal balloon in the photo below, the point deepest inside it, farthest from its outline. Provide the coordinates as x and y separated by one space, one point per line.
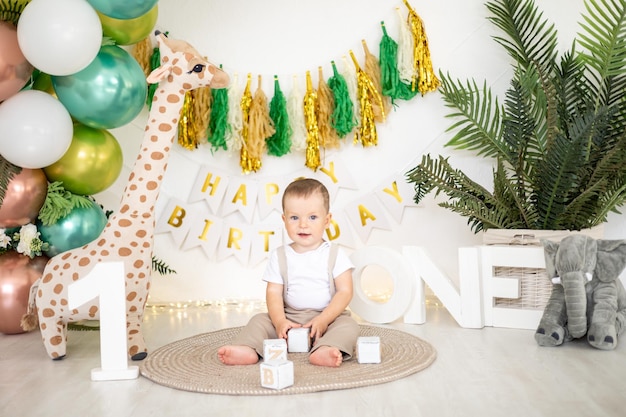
79 227
122 9
109 93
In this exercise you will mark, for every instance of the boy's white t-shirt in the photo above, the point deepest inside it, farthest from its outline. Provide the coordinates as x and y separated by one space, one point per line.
308 286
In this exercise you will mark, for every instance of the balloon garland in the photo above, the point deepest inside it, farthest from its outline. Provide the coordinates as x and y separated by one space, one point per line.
353 101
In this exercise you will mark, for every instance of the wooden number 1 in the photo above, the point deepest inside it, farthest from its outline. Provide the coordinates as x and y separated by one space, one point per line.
106 281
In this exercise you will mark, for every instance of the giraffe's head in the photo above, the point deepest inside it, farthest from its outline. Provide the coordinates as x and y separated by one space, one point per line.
181 64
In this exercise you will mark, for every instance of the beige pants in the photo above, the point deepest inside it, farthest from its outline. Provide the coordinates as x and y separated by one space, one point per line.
341 333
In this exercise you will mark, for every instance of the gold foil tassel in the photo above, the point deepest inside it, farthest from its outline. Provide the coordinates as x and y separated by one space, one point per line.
247 165
372 69
312 160
142 52
186 125
325 108
367 94
202 100
260 127
422 64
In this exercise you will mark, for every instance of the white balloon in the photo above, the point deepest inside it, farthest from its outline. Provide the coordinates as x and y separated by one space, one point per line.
35 129
59 37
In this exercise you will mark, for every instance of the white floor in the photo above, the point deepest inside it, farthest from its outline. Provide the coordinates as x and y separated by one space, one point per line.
488 372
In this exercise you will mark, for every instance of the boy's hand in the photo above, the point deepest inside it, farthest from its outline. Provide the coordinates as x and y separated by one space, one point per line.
318 327
283 327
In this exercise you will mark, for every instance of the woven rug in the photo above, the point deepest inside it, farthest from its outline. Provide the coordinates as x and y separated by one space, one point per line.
192 365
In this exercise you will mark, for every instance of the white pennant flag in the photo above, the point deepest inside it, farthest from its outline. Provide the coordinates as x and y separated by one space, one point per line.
395 194
176 218
365 214
339 231
210 186
235 241
240 196
265 238
205 231
334 175
270 195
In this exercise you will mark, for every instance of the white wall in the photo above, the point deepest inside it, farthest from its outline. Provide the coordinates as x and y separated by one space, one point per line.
287 37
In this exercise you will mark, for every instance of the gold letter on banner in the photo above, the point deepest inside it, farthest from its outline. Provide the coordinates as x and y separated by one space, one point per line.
208 183
177 216
271 189
205 231
365 214
333 231
241 195
234 236
395 193
266 239
330 172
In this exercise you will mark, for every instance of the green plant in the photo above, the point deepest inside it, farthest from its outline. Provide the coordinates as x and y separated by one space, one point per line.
558 141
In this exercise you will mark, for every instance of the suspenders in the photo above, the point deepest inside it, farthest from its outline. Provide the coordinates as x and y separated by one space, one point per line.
282 264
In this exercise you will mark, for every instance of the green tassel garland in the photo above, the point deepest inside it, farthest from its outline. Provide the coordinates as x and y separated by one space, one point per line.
279 143
218 123
392 85
343 119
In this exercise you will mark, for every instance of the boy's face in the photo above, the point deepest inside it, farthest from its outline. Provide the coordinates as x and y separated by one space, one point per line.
305 219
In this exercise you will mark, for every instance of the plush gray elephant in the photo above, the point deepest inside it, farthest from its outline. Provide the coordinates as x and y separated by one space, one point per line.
587 294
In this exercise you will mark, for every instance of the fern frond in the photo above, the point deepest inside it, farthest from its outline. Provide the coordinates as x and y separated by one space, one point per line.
161 267
59 203
7 172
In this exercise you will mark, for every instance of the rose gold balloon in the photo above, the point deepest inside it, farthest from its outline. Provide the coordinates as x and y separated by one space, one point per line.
15 70
17 274
25 195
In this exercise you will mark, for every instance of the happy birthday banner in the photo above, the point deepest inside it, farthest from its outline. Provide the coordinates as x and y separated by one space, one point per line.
219 214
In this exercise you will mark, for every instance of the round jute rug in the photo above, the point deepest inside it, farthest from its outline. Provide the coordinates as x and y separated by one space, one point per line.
192 365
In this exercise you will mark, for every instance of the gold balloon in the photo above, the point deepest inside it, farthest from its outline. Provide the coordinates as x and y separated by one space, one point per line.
129 31
25 194
91 164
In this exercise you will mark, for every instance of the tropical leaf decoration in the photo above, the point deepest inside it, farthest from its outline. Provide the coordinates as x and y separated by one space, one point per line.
7 172
557 137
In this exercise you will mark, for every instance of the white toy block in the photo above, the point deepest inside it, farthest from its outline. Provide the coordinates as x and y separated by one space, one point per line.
274 350
368 349
277 374
299 339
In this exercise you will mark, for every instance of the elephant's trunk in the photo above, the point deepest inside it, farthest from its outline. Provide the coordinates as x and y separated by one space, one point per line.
576 302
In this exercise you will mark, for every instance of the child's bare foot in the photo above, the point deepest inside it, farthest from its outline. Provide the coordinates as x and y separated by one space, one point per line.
326 356
237 355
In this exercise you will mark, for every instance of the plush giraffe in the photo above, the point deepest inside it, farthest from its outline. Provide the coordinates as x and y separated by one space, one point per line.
128 236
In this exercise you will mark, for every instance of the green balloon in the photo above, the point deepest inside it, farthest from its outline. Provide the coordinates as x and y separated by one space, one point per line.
91 164
79 227
110 92
123 9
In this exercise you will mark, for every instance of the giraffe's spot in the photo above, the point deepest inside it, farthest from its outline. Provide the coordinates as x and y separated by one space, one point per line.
125 223
93 311
134 244
43 326
39 293
75 311
47 278
67 265
133 350
142 275
66 255
165 127
147 166
58 288
187 86
53 302
133 187
143 198
141 233
124 208
131 296
63 301
133 332
56 341
124 252
92 253
101 242
47 312
173 98
75 276
138 263
84 261
104 253
152 185
56 267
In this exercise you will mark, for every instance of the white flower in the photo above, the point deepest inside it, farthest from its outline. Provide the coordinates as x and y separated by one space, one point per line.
4 239
28 233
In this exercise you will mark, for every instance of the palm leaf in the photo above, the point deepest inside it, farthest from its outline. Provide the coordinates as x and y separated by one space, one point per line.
7 172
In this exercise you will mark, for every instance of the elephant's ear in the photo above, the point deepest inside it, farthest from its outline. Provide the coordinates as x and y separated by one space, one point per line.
611 259
549 249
